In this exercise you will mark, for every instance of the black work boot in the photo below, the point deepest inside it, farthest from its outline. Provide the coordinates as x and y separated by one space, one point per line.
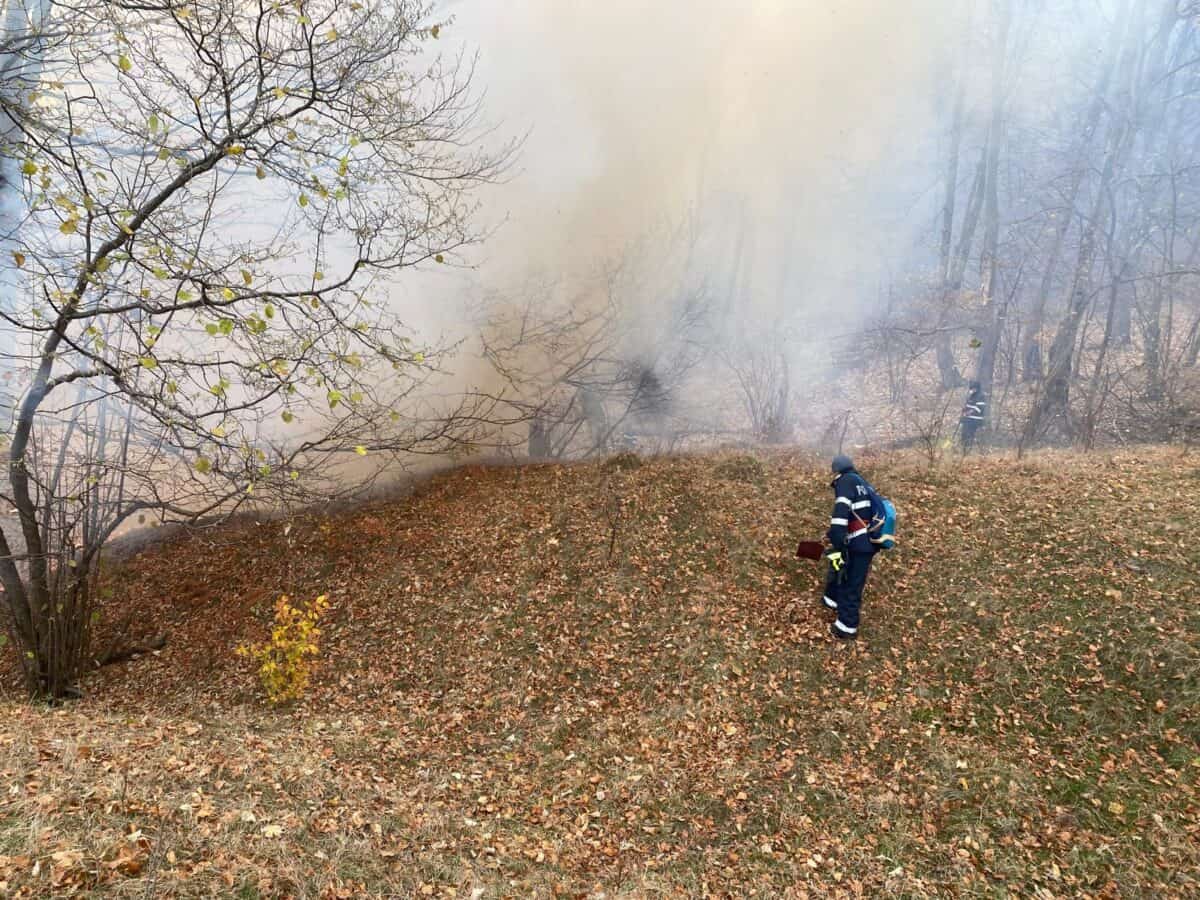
842 634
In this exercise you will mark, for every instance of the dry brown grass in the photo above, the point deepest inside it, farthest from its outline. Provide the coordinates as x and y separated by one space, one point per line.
503 711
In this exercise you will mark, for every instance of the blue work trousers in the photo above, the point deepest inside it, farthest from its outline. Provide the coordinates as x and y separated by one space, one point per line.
846 589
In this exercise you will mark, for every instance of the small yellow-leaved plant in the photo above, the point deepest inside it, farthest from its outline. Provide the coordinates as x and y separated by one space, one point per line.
285 662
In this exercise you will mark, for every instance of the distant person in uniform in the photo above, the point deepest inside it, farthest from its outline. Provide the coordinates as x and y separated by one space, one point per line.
973 415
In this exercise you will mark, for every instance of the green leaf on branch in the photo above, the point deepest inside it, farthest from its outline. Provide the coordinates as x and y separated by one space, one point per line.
123 63
335 397
202 465
148 362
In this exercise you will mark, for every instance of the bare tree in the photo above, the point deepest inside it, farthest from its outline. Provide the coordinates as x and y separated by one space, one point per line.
758 360
608 357
994 309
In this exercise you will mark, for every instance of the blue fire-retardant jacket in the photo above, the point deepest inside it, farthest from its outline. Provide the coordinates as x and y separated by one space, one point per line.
975 409
851 514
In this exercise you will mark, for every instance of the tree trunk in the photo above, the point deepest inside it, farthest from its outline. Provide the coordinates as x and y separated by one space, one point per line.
1051 411
1031 353
947 365
989 262
1155 342
951 377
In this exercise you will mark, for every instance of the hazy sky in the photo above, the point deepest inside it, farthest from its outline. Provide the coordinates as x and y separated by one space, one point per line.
799 116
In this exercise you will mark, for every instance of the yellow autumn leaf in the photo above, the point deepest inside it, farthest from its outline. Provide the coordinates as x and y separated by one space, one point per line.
69 226
124 63
18 258
247 277
360 450
227 293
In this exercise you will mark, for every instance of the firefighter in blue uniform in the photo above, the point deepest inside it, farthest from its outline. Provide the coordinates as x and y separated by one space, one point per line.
850 550
973 414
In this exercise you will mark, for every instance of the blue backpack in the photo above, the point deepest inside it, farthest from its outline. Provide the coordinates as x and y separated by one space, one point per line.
882 527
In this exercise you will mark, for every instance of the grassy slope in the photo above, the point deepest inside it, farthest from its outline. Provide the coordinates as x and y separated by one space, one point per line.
505 710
